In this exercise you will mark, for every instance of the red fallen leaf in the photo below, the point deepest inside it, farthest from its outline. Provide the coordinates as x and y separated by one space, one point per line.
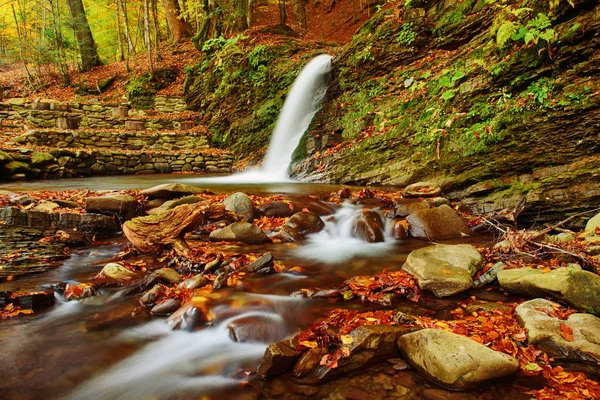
566 332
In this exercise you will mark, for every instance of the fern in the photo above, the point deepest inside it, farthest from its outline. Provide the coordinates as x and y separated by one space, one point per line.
505 31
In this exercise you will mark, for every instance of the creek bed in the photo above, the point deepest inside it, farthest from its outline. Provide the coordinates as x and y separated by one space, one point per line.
87 350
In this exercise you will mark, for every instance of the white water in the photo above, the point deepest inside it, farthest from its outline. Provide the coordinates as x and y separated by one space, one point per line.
304 100
336 244
178 362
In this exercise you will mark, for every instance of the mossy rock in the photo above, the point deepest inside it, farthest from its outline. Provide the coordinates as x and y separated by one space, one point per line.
15 167
5 157
39 158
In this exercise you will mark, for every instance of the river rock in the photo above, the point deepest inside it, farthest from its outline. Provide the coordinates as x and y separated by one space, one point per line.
489 276
153 295
318 207
262 265
33 300
187 318
399 231
240 204
122 205
367 345
117 273
576 287
46 206
422 189
23 200
167 307
169 275
546 332
277 209
593 224
444 269
172 191
196 281
38 158
279 357
265 328
405 209
305 222
368 227
239 232
170 204
453 361
437 223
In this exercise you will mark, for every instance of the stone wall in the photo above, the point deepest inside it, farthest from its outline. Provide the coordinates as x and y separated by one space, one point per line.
170 104
94 223
122 140
63 163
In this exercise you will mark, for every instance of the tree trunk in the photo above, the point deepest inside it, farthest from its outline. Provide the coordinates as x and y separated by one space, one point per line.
121 53
300 13
250 13
123 10
241 15
178 27
147 38
87 46
282 12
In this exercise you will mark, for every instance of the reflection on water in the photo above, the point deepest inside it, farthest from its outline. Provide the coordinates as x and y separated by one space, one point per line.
58 353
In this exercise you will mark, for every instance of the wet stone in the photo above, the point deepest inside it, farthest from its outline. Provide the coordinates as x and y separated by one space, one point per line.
279 357
167 307
262 265
33 300
187 318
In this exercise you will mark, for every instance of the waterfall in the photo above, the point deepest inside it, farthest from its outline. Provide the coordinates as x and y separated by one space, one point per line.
303 101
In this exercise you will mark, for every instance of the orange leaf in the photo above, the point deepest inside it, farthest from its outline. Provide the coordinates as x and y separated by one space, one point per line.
566 332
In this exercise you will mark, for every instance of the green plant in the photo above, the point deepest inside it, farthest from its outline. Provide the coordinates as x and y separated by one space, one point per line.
541 91
406 36
536 29
258 56
365 54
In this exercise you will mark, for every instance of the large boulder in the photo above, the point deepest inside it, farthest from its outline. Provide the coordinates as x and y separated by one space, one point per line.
239 232
437 223
122 205
240 204
576 338
576 287
444 269
172 191
368 227
453 361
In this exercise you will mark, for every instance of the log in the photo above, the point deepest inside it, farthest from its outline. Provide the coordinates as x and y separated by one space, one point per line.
151 233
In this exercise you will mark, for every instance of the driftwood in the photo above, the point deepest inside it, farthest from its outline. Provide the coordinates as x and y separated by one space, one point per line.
151 233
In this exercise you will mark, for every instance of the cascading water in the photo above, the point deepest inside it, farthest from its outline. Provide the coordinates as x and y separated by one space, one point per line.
336 242
304 100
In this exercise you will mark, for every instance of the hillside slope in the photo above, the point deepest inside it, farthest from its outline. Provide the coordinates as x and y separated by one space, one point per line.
493 100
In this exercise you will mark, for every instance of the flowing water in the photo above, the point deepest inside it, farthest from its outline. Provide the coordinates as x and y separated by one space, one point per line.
90 349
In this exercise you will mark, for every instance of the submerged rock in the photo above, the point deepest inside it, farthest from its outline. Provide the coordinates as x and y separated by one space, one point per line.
239 232
187 318
266 328
444 269
422 189
368 227
453 361
33 300
576 338
576 287
240 204
437 223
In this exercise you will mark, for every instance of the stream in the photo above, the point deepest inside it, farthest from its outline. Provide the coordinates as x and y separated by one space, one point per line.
59 353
